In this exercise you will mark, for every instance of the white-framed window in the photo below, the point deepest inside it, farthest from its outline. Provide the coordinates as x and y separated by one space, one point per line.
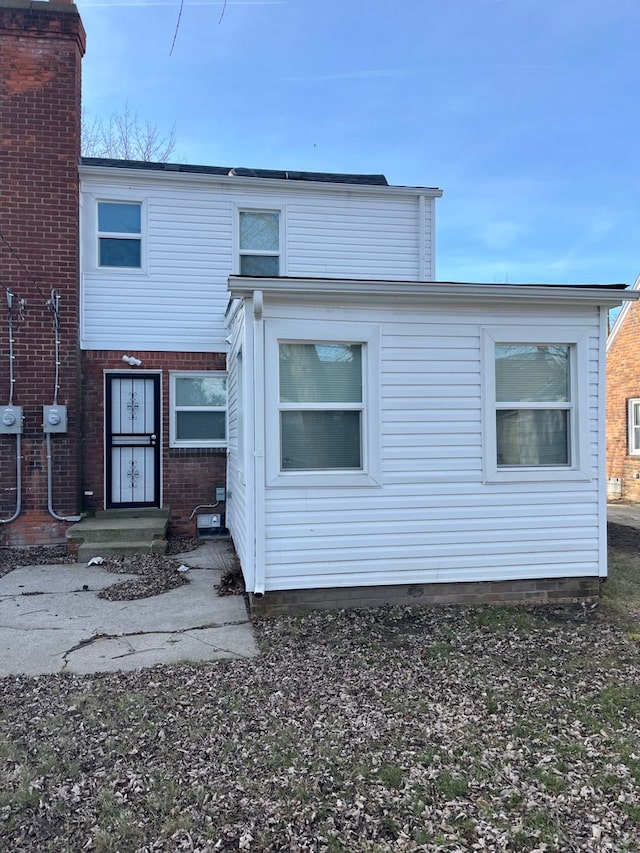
321 406
535 404
634 427
119 234
260 242
198 409
323 398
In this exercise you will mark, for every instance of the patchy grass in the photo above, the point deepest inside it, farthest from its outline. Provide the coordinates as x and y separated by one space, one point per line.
621 592
471 728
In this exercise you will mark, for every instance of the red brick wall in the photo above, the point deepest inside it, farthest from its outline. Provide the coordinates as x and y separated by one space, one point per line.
41 47
623 384
189 476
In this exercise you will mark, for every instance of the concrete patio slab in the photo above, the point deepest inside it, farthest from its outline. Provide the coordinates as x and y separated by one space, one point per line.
51 619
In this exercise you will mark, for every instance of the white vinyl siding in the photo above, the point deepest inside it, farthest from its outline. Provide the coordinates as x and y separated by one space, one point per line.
238 516
433 518
178 301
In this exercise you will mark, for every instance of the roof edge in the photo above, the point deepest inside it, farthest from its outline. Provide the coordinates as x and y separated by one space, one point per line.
597 294
239 176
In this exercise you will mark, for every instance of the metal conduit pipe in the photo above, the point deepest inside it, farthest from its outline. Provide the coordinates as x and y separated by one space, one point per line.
18 482
52 512
203 506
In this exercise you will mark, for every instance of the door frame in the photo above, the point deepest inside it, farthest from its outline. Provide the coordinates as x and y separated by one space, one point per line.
109 375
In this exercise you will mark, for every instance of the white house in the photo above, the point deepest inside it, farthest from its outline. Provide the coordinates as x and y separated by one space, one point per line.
394 440
158 244
387 437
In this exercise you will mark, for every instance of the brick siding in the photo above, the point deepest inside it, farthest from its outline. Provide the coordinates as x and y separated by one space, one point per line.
189 475
540 591
41 47
623 384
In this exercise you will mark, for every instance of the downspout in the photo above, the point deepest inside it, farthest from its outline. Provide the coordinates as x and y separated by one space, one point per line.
258 446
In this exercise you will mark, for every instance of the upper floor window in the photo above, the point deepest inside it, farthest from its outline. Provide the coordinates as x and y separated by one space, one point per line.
198 409
634 427
119 234
259 242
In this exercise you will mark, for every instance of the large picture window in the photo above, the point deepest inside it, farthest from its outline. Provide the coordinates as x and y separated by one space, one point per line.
119 234
198 409
321 406
535 404
259 242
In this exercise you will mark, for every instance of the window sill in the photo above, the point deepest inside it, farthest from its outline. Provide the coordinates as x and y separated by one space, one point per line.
537 475
196 446
337 479
323 479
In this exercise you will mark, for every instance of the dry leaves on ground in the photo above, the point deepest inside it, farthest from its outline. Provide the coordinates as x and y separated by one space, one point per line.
386 730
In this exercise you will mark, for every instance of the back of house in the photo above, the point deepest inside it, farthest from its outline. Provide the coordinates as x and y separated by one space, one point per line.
268 352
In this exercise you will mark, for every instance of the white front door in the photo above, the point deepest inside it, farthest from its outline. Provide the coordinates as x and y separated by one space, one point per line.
132 419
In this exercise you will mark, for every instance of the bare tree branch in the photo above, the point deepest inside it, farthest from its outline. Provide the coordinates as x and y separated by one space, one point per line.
175 35
124 137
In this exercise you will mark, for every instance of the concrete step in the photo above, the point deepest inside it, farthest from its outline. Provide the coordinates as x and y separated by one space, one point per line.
121 529
119 532
141 512
114 549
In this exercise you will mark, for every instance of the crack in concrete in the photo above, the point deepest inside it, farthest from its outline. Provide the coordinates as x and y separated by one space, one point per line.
98 637
18 595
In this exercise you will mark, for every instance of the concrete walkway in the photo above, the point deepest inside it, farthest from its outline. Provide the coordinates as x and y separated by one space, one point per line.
51 619
621 513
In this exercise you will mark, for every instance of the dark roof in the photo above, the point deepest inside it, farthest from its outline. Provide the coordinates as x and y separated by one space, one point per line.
241 172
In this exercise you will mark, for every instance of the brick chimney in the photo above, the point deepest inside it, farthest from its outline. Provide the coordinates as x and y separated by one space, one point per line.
41 49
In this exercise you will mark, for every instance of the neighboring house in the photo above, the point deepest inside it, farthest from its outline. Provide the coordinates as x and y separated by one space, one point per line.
623 404
274 343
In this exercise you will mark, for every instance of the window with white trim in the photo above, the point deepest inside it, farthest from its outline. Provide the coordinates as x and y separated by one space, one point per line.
259 242
321 406
534 427
198 409
534 408
634 427
323 403
120 234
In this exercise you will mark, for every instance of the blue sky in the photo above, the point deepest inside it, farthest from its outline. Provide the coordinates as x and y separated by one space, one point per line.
525 112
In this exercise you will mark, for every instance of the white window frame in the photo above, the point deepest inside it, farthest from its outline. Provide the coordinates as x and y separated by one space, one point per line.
260 207
579 467
174 441
631 424
316 332
119 235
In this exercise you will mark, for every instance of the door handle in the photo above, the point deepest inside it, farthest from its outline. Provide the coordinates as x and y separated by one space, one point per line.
153 439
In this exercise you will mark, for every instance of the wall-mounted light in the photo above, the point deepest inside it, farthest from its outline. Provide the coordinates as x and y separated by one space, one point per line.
131 360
